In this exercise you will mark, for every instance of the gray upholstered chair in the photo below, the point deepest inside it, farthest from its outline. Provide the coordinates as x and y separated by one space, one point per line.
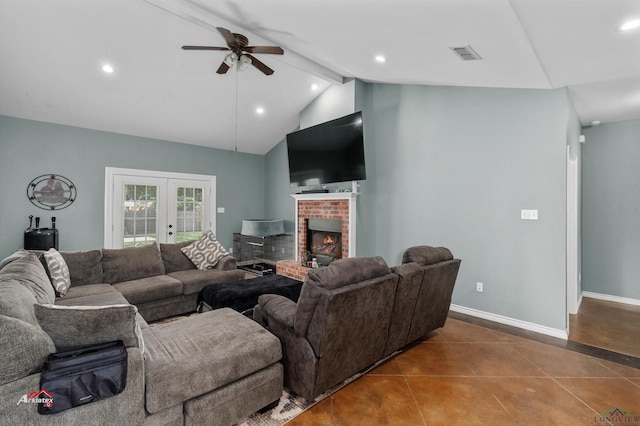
338 327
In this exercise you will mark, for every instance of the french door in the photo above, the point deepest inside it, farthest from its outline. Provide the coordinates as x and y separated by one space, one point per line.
144 207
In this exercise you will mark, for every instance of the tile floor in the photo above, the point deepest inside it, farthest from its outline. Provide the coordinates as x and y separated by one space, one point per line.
465 374
608 325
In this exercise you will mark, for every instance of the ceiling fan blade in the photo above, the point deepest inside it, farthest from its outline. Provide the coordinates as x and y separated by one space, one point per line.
262 67
273 50
204 48
229 37
223 68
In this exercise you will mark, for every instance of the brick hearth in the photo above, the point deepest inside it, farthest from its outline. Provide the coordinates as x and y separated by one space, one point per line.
336 206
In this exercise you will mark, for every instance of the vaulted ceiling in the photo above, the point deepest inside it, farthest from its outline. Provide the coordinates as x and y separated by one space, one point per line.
52 52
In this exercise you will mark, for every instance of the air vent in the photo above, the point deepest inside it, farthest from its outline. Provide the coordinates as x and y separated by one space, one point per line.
466 53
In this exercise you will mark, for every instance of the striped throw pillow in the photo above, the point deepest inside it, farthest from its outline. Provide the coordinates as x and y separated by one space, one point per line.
58 271
205 252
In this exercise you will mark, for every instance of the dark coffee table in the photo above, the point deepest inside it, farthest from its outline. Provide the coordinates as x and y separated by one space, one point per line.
243 295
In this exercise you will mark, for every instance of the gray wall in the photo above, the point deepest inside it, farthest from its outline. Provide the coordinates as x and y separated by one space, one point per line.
611 209
30 148
453 167
335 102
278 201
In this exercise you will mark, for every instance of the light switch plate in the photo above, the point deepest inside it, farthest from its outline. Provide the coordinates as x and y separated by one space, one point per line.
220 209
529 214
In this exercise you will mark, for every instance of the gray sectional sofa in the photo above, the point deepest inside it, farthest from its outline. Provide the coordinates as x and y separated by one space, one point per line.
355 312
213 368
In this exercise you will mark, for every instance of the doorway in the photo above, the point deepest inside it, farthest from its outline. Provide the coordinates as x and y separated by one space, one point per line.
145 207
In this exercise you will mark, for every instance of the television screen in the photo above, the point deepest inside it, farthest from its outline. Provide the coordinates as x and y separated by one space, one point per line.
327 153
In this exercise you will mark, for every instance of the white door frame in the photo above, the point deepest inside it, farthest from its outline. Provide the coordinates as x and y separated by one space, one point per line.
572 234
135 174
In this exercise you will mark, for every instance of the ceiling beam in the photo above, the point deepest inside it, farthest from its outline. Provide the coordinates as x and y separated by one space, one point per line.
207 19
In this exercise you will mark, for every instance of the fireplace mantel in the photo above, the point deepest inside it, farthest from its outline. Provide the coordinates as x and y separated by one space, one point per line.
351 196
349 216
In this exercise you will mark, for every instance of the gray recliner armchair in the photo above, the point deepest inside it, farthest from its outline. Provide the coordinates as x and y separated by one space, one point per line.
434 297
338 327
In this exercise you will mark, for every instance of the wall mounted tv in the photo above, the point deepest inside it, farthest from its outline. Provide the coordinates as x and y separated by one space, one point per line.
327 153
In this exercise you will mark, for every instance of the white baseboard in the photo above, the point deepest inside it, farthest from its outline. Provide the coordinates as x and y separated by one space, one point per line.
610 298
580 300
554 332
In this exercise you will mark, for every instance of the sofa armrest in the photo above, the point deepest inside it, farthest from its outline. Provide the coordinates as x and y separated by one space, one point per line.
227 263
278 308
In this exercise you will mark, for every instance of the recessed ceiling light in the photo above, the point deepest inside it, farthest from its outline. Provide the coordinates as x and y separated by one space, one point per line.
630 25
315 86
595 123
107 68
381 59
259 110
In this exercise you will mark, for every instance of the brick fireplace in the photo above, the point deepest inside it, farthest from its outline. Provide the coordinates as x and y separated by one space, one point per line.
339 206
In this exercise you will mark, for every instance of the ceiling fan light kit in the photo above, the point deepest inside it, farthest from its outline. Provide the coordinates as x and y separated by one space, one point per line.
241 53
231 59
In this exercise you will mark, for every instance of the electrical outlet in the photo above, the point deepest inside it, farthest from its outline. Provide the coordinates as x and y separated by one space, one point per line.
479 287
282 250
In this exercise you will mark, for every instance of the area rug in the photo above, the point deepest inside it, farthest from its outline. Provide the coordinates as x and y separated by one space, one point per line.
291 405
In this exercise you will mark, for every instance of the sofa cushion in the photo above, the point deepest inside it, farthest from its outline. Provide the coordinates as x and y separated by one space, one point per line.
28 271
174 259
194 280
93 295
85 267
58 271
426 255
131 263
24 348
205 351
205 252
73 326
338 274
149 289
88 290
17 301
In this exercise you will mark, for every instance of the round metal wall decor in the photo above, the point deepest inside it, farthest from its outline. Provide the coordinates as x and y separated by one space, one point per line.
51 192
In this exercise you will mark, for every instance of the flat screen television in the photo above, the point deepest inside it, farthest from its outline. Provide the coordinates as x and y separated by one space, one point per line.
327 153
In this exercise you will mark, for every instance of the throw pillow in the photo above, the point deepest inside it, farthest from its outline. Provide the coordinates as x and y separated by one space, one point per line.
17 301
29 272
24 348
73 326
205 252
14 256
58 271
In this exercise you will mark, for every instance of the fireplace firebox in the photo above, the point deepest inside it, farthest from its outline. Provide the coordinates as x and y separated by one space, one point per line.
324 239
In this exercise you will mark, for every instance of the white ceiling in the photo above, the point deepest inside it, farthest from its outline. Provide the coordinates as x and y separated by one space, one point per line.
51 53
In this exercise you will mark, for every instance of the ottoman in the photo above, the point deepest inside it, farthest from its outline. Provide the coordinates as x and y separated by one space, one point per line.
243 295
220 366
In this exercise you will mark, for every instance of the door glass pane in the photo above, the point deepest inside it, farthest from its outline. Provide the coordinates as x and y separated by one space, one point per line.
140 215
189 214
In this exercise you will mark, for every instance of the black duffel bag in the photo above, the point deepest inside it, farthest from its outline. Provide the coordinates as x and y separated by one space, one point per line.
84 375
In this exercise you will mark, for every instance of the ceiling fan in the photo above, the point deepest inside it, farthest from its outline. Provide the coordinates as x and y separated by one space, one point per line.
241 54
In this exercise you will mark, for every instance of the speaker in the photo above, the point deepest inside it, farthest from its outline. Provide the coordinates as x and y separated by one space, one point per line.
41 239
